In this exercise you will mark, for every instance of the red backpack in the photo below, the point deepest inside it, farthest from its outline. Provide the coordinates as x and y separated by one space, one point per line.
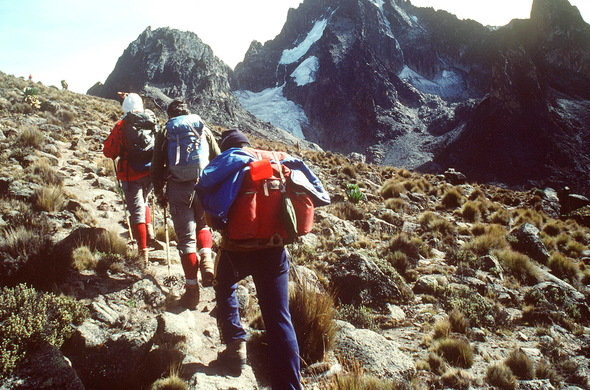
258 212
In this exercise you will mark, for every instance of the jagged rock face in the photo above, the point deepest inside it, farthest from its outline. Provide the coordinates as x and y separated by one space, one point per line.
165 64
413 87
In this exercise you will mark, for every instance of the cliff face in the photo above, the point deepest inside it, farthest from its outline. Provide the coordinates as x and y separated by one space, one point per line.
165 64
412 87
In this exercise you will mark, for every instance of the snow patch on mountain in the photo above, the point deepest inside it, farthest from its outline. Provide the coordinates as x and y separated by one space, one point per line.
272 106
290 56
305 73
448 84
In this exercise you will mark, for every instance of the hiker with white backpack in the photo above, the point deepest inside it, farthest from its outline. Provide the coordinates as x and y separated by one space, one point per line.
132 141
182 150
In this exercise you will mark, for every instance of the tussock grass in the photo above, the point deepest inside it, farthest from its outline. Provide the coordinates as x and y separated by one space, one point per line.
50 198
564 267
313 316
519 265
400 261
545 370
45 174
484 244
458 322
83 259
456 352
432 222
172 382
412 246
356 379
457 379
348 211
501 217
552 228
396 204
441 329
500 376
471 211
520 364
31 137
452 198
392 189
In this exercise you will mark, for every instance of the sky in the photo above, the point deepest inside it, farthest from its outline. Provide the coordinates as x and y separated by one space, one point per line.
80 41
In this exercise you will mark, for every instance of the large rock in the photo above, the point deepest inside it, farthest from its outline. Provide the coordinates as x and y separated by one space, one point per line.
110 349
526 239
359 280
379 356
45 368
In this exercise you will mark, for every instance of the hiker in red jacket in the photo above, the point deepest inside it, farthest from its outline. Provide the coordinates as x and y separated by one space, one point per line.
133 170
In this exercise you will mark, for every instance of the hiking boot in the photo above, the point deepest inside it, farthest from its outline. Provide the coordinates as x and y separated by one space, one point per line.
233 359
207 269
190 298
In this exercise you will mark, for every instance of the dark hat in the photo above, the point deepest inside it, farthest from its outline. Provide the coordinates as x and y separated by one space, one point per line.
177 108
233 138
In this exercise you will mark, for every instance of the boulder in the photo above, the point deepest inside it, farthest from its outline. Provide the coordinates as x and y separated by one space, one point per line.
378 355
526 239
44 368
454 177
359 280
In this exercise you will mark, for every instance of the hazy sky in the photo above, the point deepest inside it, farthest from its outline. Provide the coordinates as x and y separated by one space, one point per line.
81 40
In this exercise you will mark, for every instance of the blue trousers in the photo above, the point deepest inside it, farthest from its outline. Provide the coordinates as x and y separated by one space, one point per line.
270 271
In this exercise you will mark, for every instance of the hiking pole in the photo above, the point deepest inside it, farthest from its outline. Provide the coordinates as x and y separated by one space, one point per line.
167 239
120 190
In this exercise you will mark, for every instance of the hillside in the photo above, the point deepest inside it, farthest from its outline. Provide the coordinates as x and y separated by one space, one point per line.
407 281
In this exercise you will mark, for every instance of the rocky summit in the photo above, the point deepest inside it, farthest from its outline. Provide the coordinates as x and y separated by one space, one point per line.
408 86
406 281
166 64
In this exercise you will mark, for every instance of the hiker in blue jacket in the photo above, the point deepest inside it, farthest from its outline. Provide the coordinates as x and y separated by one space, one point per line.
268 265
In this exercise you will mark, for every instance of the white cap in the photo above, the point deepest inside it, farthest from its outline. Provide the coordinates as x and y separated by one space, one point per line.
132 103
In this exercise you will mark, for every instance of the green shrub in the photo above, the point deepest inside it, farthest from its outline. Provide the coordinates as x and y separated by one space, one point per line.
313 316
500 376
455 351
29 318
354 193
520 364
359 316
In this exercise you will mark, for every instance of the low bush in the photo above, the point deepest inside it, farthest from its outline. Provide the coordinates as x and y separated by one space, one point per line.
455 351
359 316
313 316
520 364
30 318
500 376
